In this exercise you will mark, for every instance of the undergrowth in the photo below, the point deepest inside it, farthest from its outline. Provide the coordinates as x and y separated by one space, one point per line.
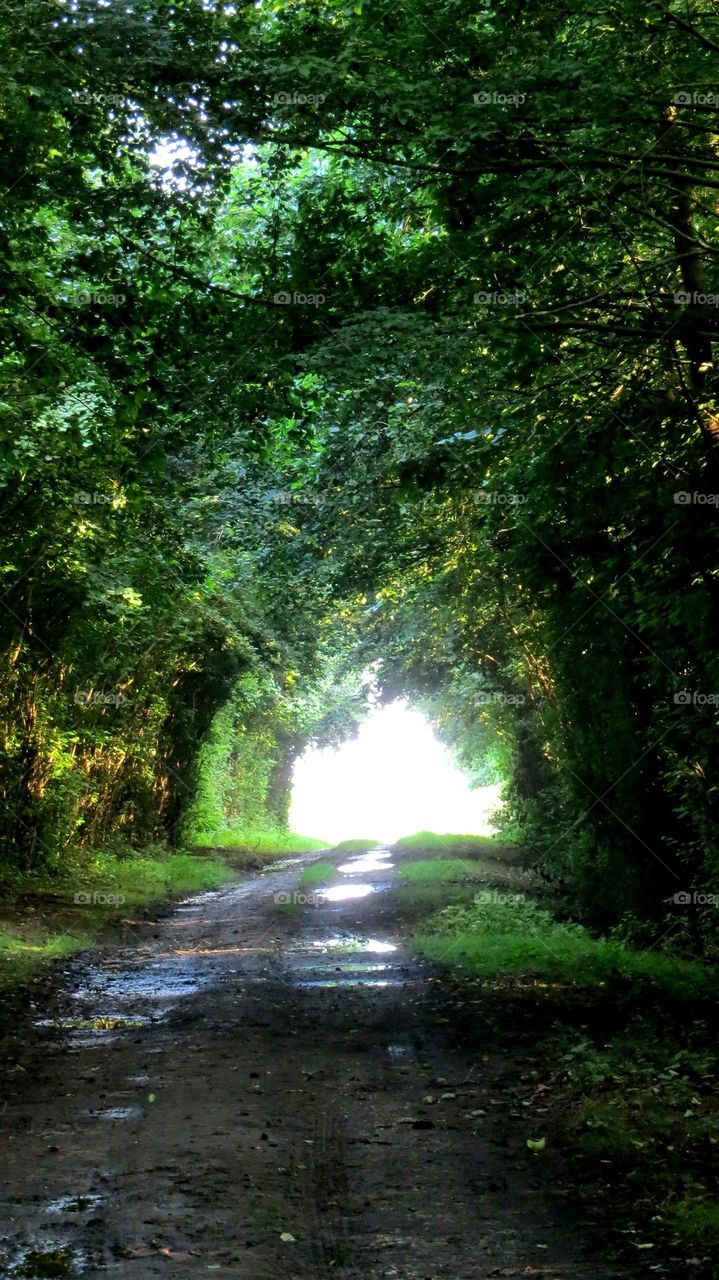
623 1044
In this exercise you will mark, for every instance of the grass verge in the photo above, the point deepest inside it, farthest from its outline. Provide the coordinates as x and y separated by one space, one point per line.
22 952
259 845
447 870
357 846
430 884
505 933
48 917
621 1040
430 840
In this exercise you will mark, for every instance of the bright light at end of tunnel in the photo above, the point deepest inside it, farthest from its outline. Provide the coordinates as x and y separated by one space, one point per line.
394 778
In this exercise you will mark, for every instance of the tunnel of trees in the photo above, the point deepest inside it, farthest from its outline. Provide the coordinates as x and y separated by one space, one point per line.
340 336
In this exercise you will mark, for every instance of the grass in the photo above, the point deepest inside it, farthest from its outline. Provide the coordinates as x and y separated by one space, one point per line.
621 1038
139 881
448 870
507 934
317 872
429 840
357 846
21 954
427 886
261 845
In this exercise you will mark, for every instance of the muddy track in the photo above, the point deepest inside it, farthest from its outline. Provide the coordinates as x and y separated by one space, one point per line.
242 1092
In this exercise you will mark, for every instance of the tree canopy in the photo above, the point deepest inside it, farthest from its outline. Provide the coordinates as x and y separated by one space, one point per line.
340 336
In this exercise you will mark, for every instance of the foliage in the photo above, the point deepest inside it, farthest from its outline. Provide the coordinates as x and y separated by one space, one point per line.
335 345
642 1101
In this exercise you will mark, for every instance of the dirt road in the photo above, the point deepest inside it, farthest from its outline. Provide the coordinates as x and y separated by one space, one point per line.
265 1086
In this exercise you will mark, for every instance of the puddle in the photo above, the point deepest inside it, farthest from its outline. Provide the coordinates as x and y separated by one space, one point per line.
372 945
199 899
299 860
344 892
375 860
74 1204
164 980
348 982
347 966
115 1113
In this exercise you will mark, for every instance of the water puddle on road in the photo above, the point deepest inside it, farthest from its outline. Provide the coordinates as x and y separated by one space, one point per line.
343 964
350 967
75 1204
345 892
199 900
348 982
374 860
114 1113
166 980
372 945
